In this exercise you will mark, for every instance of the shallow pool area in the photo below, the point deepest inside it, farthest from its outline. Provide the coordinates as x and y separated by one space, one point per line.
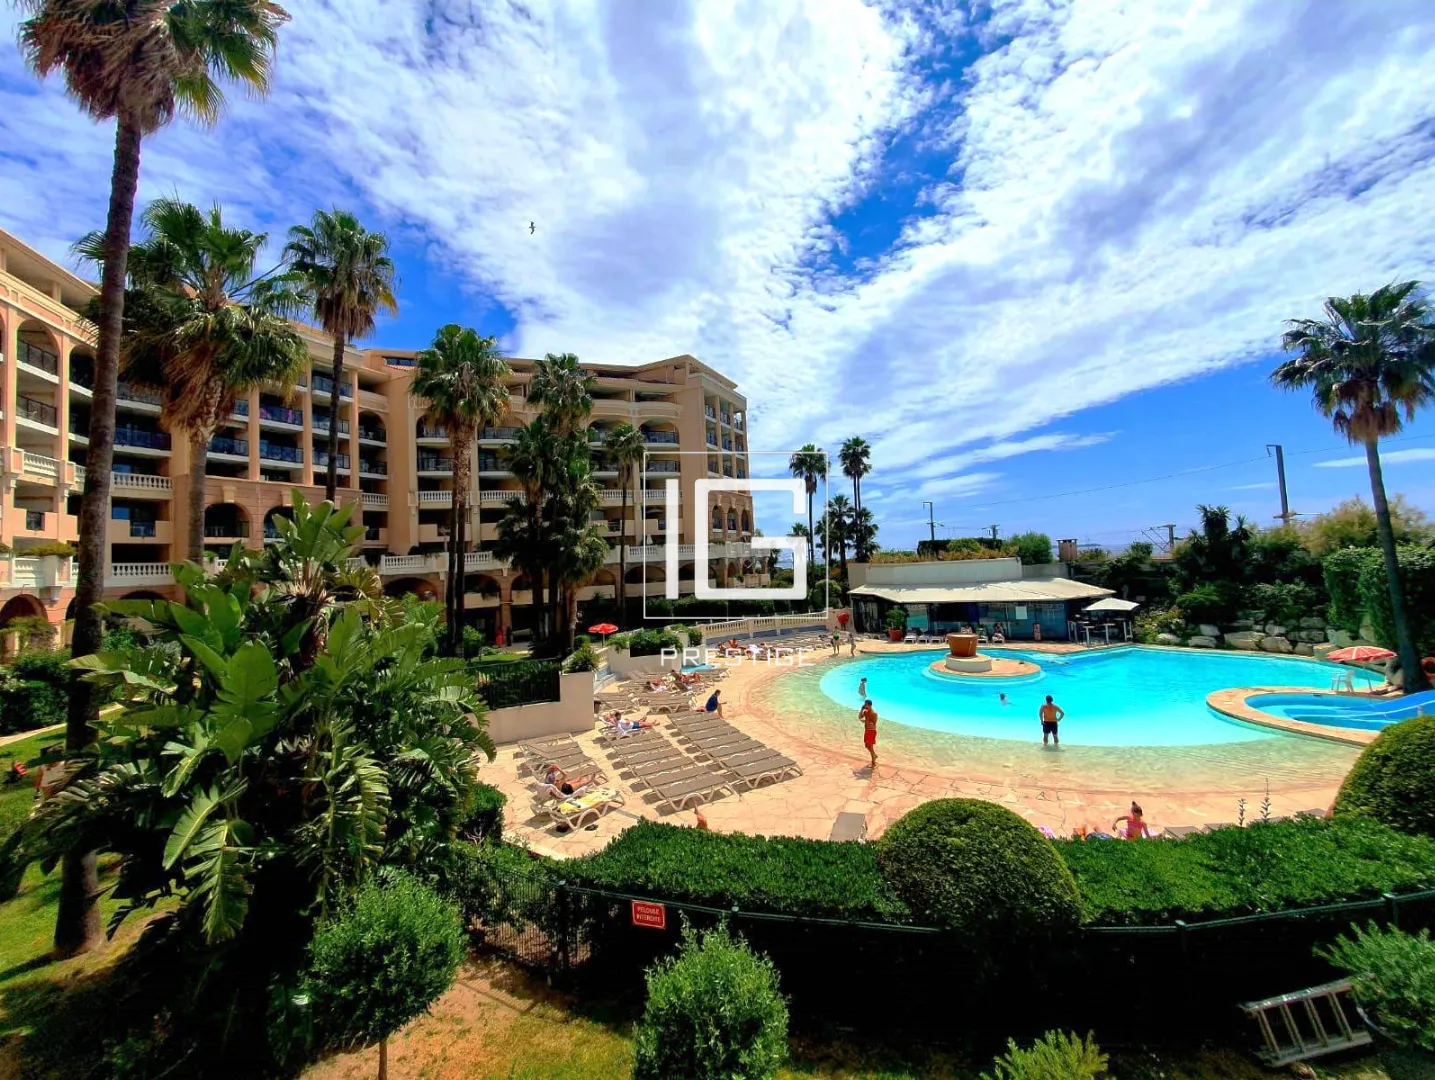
1334 710
1123 697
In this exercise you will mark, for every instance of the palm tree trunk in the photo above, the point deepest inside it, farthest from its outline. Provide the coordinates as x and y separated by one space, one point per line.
811 535
194 518
331 474
458 527
77 920
1404 645
623 560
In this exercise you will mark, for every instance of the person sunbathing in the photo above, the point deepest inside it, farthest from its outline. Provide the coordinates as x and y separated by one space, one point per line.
568 786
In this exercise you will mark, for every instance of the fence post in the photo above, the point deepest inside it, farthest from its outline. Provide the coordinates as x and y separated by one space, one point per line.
1392 909
565 922
1183 941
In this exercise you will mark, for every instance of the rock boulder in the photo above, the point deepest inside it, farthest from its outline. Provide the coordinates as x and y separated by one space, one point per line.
1341 639
1312 624
1311 636
1207 630
1304 648
1243 639
1319 651
1275 630
1275 643
1167 639
1203 641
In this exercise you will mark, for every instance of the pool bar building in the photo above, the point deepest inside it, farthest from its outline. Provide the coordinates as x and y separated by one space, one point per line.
943 596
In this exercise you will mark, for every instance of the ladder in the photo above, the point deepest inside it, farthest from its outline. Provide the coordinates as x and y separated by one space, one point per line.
1312 1022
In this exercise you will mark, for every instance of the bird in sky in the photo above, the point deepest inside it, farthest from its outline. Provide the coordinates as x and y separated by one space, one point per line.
532 228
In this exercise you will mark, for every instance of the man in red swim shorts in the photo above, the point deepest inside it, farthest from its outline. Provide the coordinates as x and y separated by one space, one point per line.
868 716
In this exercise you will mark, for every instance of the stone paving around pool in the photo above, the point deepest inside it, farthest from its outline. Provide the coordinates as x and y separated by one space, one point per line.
837 779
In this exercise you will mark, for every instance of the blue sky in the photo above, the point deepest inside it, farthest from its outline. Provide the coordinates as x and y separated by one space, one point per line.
1025 248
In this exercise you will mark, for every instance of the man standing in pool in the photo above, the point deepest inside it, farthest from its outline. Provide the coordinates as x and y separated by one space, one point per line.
1051 715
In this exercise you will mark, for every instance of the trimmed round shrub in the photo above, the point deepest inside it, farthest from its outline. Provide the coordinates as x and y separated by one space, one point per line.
383 962
1393 780
976 868
714 1012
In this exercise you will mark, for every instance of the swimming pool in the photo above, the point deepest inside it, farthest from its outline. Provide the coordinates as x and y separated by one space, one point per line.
1367 714
1123 697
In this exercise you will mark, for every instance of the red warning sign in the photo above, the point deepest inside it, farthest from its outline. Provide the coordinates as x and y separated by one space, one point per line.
651 915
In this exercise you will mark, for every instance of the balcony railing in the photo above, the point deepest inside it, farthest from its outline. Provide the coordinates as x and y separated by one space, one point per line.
321 426
126 392
374 500
709 412
37 411
373 468
738 423
372 532
142 530
491 463
437 464
712 441
37 357
430 431
137 437
282 414
241 408
727 444
662 438
226 529
34 520
372 434
321 460
139 480
224 445
662 466
82 373
325 385
276 452
507 434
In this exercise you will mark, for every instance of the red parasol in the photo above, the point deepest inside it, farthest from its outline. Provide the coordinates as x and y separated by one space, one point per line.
1356 654
604 628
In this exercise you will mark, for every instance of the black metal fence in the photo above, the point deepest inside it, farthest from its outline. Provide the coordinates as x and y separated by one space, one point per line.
1139 983
504 684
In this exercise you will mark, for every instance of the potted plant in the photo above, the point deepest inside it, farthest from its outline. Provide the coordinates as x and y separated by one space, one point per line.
896 623
1392 975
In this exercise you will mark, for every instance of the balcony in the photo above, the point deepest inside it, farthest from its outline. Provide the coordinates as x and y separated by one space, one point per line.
141 483
323 384
37 412
321 426
369 467
132 396
39 468
435 498
321 461
35 521
431 464
499 434
139 439
660 438
709 412
662 467
430 433
738 423
727 419
373 435
241 408
712 440
374 534
288 455
42 360
491 465
727 444
483 560
134 575
128 530
226 530
223 446
500 497
373 500
281 414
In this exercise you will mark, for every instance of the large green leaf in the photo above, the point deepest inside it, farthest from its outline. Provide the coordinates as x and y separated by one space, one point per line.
201 805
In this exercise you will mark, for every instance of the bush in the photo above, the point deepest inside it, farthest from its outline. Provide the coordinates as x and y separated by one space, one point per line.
583 658
1149 624
1393 979
714 1012
1263 867
496 884
645 642
977 868
485 820
383 962
897 619
35 693
1393 780
1055 1056
1417 574
1205 604
1342 571
788 875
1285 602
1031 547
58 548
473 641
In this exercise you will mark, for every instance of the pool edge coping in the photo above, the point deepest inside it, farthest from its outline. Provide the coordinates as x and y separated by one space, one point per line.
1235 704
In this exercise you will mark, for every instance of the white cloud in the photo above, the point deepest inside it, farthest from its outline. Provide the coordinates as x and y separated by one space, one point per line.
1265 486
1136 193
1394 457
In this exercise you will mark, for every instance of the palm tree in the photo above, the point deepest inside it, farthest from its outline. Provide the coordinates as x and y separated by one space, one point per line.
201 328
864 533
856 459
460 379
1370 364
350 279
563 390
522 537
836 528
156 59
624 447
809 464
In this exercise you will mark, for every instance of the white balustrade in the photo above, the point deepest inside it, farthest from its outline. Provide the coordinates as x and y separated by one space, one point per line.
500 496
127 575
403 564
435 498
132 480
40 465
375 500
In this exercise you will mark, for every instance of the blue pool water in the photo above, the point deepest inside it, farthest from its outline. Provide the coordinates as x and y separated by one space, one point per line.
1364 713
1118 697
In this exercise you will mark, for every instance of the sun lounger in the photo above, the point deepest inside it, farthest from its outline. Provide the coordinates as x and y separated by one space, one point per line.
849 827
575 811
680 794
571 761
652 755
548 744
911 638
665 702
773 767
1176 832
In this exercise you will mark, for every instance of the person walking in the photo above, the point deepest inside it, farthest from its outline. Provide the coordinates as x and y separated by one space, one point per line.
868 716
1051 715
851 643
862 688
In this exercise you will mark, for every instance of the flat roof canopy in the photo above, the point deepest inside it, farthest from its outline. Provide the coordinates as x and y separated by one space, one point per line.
1050 590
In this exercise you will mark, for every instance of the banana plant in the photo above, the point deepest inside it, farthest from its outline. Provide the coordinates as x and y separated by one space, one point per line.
284 731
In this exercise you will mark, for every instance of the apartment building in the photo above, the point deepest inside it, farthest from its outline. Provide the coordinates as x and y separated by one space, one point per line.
393 464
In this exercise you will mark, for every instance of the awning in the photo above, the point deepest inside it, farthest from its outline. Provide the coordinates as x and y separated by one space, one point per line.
1049 590
1112 603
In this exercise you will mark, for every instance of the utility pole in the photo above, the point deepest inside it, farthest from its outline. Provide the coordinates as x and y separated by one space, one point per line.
1285 514
1170 528
931 520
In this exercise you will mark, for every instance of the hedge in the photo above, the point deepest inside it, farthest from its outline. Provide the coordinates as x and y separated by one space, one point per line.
780 874
1393 780
34 691
1261 868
